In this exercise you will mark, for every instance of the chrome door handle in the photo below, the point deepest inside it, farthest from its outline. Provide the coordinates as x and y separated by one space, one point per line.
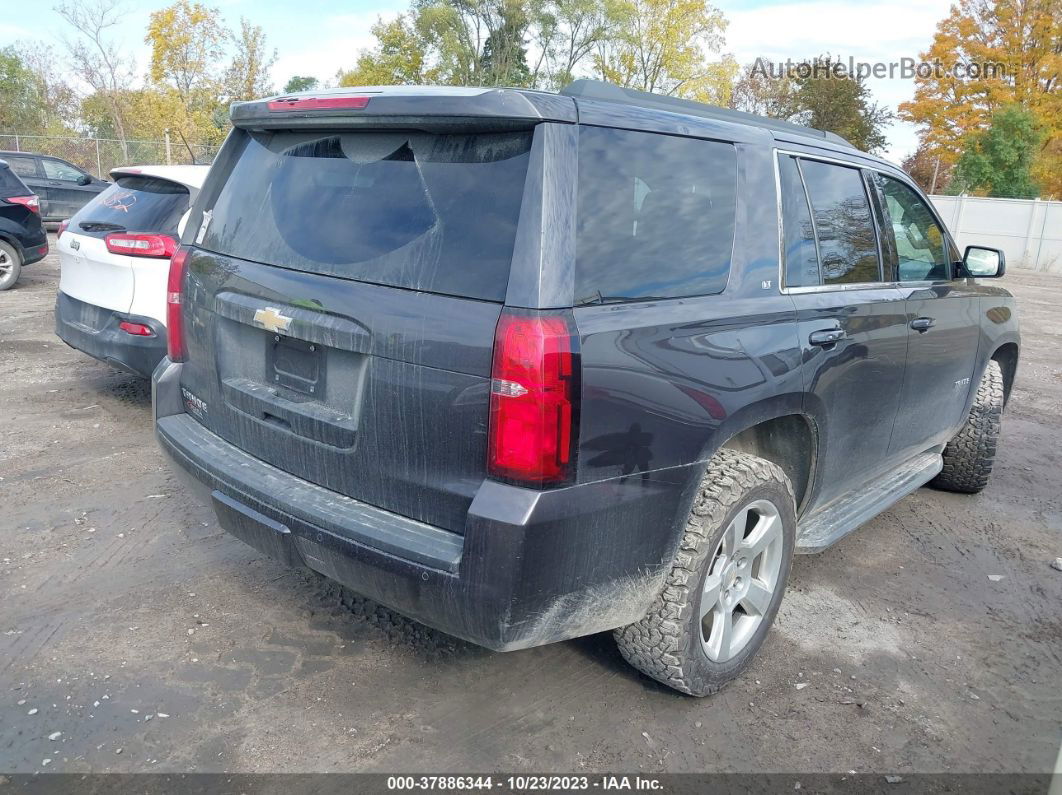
827 337
922 324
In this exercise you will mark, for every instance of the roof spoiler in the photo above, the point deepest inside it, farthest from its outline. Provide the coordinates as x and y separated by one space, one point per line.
609 92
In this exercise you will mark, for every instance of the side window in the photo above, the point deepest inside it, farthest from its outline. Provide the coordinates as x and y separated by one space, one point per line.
848 245
57 169
23 166
655 215
798 232
921 246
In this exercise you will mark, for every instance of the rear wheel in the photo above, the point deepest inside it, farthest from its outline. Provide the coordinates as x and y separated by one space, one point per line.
970 455
10 265
726 582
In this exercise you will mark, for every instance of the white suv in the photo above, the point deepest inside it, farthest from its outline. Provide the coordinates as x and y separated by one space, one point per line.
114 256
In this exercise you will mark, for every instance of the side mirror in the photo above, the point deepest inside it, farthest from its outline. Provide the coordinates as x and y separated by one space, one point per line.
84 179
984 263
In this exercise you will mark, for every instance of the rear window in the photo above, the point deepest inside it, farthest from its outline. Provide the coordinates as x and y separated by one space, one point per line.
133 204
655 216
405 209
10 183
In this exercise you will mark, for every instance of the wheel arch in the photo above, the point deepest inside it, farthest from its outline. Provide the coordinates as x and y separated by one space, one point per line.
791 442
1006 355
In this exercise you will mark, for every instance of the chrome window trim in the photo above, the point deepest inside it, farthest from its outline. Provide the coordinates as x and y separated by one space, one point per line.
828 288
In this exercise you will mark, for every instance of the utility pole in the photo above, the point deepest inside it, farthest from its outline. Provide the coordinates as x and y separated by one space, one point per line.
936 168
169 156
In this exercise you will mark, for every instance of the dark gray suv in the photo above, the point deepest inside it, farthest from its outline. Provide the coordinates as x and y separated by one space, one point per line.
528 366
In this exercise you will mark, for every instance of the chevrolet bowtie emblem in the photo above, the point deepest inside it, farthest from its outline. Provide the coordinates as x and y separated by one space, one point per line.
271 319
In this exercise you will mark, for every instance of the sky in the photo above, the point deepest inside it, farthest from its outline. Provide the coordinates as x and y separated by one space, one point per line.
322 36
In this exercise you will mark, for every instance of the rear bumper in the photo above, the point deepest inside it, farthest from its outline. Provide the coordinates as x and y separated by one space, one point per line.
94 330
530 568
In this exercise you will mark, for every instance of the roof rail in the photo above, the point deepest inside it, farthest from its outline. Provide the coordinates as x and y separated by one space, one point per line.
598 89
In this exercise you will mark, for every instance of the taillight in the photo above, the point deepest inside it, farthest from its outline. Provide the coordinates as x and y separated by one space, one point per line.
317 103
175 348
136 329
533 399
30 202
62 228
140 245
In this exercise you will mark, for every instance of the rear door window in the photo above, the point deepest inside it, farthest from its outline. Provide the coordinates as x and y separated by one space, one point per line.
133 203
801 254
23 166
655 216
10 184
405 209
844 226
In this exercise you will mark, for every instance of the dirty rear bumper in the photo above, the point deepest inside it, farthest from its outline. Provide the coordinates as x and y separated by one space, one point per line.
94 330
530 568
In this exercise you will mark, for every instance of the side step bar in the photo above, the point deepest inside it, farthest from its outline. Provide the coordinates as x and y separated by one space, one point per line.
832 522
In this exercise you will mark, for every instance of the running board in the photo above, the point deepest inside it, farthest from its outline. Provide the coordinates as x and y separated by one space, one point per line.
833 522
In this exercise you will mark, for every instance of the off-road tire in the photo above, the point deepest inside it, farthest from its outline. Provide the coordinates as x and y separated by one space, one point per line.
969 456
666 643
13 263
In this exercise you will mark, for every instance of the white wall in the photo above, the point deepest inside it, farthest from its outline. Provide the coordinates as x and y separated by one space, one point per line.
1028 230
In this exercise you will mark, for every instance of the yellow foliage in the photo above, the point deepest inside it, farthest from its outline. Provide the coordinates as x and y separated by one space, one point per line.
1023 39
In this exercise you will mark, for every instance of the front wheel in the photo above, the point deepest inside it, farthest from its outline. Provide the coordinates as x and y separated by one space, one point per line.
969 457
10 265
726 582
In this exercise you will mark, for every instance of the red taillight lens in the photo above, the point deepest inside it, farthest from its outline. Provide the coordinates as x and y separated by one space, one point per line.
31 202
318 103
136 329
175 348
533 400
62 228
140 245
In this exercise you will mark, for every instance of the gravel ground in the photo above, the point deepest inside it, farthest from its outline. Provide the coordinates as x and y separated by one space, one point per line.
135 635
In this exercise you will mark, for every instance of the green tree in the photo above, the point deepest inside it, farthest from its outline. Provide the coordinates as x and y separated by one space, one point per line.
566 33
399 57
298 83
998 161
842 105
19 97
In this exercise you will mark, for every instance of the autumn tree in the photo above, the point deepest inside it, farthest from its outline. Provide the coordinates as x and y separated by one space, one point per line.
931 173
187 43
662 45
247 76
760 92
998 161
1008 51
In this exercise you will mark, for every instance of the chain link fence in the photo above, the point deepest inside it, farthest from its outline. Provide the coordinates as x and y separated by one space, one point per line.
100 155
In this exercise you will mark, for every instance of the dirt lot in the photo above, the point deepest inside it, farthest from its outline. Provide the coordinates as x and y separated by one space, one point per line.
136 635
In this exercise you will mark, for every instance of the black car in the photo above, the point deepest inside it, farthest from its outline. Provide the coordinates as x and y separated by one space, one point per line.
63 188
544 365
22 236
